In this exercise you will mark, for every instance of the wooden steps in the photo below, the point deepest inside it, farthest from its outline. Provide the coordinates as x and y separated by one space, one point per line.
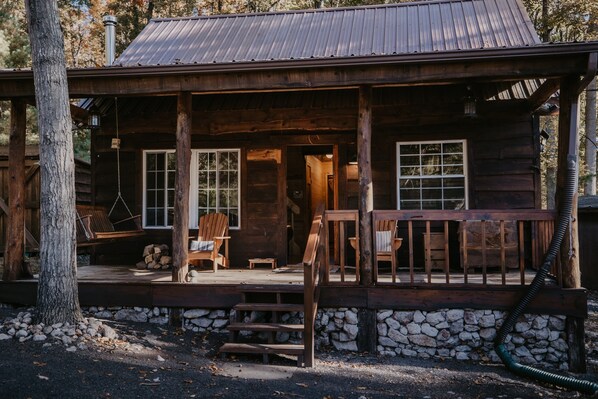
261 314
269 307
281 349
265 327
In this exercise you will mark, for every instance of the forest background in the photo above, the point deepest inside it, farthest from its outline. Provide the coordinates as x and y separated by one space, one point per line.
81 20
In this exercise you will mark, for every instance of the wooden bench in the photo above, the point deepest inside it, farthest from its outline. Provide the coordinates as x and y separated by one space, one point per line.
94 226
271 261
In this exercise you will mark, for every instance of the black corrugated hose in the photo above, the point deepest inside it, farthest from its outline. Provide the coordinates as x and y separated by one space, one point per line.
538 282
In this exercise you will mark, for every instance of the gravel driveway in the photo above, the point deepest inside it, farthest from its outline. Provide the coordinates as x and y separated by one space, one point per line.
148 361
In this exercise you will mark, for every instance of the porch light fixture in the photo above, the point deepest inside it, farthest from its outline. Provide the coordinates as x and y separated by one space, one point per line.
93 118
469 105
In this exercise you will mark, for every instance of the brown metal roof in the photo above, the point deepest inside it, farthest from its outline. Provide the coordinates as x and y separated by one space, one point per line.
406 28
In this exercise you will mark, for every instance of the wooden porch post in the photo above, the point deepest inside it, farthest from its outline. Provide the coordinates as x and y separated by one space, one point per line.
569 251
366 190
180 227
14 265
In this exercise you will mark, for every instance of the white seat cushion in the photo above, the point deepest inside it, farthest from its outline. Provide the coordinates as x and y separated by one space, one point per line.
383 241
202 245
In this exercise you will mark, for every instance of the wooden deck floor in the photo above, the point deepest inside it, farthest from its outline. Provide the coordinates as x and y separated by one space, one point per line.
282 275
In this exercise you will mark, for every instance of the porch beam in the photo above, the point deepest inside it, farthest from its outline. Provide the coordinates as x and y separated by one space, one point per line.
569 251
180 227
366 190
401 70
14 263
542 94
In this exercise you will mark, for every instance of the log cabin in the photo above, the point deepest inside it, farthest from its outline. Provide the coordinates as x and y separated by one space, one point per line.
423 113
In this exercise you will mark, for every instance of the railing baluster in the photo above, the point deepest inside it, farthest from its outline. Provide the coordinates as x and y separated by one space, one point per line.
411 260
464 246
503 260
428 252
342 240
521 252
446 252
484 265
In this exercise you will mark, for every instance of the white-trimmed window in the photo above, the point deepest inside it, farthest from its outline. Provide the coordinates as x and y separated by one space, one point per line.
215 186
432 175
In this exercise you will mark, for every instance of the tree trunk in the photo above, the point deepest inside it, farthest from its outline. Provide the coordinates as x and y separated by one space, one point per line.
590 183
180 227
366 189
14 265
57 296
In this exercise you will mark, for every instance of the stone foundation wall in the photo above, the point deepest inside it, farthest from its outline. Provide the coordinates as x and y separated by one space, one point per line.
462 334
469 335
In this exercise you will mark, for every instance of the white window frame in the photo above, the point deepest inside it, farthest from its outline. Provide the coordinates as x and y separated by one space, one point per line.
465 175
193 188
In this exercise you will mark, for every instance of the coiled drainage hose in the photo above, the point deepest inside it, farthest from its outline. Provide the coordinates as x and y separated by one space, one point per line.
538 282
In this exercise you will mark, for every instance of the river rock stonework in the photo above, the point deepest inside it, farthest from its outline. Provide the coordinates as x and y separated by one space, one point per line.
466 334
337 328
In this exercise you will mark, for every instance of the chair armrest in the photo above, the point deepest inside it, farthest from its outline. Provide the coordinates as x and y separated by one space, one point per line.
222 238
396 243
353 242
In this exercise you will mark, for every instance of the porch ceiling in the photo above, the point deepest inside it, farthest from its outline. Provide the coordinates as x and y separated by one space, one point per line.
482 65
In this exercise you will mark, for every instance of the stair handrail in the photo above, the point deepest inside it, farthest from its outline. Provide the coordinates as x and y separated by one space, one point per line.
312 262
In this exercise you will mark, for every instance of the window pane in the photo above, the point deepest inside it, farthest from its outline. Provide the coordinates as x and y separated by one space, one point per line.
410 183
454 182
410 194
170 198
160 198
160 161
431 183
160 180
171 160
233 180
409 149
151 198
453 147
170 217
212 161
223 198
432 148
432 194
454 204
150 217
233 198
410 171
453 170
150 162
452 159
171 177
202 198
160 217
202 163
432 204
212 180
150 180
233 159
202 180
410 205
410 160
454 193
212 198
223 180
223 161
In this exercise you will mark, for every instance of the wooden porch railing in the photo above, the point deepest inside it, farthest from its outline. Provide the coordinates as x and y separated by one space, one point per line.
313 271
443 247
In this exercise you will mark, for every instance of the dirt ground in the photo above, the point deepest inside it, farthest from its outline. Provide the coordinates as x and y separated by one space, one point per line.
150 361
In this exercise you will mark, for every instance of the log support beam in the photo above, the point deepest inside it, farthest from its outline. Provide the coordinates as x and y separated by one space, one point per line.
569 251
366 189
180 228
14 263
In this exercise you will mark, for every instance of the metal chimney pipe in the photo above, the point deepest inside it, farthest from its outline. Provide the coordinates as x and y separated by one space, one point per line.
110 29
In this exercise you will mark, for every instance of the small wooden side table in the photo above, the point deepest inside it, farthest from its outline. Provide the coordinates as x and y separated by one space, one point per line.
271 261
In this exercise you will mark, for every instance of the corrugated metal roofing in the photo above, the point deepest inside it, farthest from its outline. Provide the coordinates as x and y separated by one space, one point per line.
406 28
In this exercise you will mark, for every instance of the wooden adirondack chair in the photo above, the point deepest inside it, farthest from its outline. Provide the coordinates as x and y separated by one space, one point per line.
387 243
212 233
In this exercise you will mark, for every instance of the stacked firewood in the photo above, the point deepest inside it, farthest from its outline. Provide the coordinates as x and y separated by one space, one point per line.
155 256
